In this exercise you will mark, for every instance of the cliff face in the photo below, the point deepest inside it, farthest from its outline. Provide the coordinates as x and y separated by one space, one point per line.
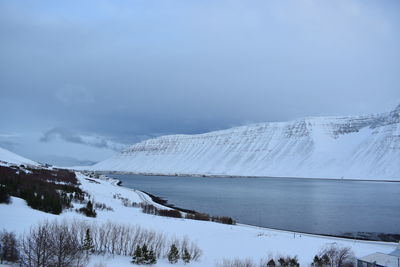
365 147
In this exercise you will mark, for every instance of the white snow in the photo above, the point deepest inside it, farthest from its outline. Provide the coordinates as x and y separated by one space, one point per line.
363 147
10 157
217 241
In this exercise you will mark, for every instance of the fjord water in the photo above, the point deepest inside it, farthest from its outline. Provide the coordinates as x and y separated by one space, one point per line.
336 207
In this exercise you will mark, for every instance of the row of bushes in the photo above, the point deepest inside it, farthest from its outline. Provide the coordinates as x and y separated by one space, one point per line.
46 190
270 262
330 255
69 243
151 209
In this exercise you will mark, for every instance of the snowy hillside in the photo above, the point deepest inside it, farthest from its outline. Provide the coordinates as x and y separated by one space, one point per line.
217 241
10 157
360 147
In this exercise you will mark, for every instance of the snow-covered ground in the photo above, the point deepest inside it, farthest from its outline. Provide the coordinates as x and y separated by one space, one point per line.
217 241
356 147
10 157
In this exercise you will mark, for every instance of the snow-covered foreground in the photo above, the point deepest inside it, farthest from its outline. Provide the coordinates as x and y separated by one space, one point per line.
217 241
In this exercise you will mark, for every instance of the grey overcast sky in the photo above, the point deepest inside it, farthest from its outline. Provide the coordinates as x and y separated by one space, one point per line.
79 80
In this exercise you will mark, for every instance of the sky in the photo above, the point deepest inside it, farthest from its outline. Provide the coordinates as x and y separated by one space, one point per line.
81 80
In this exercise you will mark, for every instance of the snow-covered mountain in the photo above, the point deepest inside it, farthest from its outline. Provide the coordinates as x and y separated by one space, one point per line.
10 157
363 147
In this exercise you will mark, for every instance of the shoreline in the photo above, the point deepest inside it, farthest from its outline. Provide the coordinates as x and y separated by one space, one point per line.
164 202
239 176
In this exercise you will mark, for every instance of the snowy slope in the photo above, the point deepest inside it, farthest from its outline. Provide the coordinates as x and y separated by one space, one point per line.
218 241
363 147
10 157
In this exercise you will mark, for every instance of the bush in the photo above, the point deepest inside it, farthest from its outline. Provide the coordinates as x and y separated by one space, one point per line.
237 263
143 255
293 262
198 216
320 261
88 210
8 247
102 206
333 255
137 256
282 261
70 242
170 213
206 217
52 244
186 257
82 238
173 254
151 209
4 195
223 219
88 246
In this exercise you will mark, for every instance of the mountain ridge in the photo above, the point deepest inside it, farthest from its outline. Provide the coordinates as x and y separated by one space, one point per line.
359 147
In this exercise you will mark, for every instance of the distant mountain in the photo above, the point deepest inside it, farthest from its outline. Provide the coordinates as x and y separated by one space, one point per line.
361 147
10 157
63 161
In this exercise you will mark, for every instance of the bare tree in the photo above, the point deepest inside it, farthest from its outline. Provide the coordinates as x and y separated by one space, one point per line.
52 244
65 245
335 256
36 247
8 247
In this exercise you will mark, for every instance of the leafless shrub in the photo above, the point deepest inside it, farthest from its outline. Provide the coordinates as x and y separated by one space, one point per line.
198 216
185 244
236 263
62 243
36 246
333 255
280 261
51 244
223 219
122 239
8 247
102 206
207 217
65 245
170 213
149 209
126 202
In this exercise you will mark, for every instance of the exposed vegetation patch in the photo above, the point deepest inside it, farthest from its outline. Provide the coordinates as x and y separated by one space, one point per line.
151 209
48 190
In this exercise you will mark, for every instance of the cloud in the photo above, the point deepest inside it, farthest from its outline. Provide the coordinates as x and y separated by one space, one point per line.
72 137
131 70
8 144
74 95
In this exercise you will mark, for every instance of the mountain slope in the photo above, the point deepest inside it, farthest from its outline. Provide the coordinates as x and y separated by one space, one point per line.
10 157
365 147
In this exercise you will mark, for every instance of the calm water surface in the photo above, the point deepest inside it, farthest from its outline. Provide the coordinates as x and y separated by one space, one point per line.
305 205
